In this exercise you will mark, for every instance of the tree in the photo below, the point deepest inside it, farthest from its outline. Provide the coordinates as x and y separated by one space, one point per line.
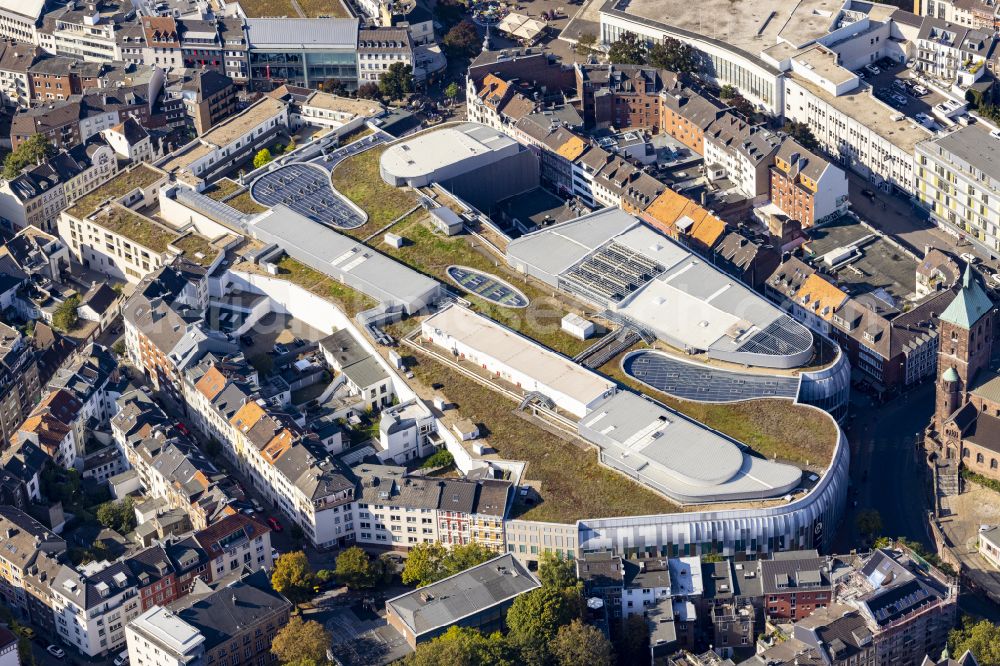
462 40
633 644
586 44
427 563
119 348
556 572
534 618
982 638
579 644
801 133
397 81
628 50
369 91
355 569
452 91
33 151
869 522
673 54
441 458
66 316
293 577
449 12
728 92
262 158
731 96
422 564
119 515
301 641
461 646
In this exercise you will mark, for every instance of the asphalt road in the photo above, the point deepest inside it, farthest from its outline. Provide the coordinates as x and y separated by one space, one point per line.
887 469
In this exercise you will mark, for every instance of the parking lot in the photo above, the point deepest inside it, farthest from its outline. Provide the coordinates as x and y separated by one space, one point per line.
306 189
897 86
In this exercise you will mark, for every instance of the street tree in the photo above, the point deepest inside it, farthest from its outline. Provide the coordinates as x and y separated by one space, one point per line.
355 569
869 522
586 44
579 644
534 619
628 50
300 642
462 646
293 577
981 638
396 82
556 572
369 90
452 91
801 133
462 39
674 55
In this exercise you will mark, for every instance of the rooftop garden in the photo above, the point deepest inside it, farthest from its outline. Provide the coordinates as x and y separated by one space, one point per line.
141 176
244 203
358 179
346 298
572 485
773 428
221 189
197 249
431 253
330 8
137 228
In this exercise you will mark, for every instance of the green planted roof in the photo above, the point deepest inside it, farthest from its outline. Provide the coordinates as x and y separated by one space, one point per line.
969 305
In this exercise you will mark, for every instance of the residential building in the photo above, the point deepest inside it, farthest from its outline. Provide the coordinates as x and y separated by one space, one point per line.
685 115
794 584
362 372
980 14
622 96
989 545
740 152
957 182
25 540
9 654
805 186
56 428
234 542
59 77
162 42
953 53
378 48
209 98
59 122
15 60
646 582
86 29
130 141
490 588
603 576
233 623
20 389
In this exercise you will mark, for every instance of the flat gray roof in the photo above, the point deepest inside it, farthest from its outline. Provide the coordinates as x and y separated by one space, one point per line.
297 34
345 259
472 591
975 146
679 457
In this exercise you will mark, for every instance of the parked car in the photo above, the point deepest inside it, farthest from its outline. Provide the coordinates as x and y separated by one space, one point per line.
27 632
183 428
873 70
275 525
920 90
900 100
56 651
898 84
995 134
122 659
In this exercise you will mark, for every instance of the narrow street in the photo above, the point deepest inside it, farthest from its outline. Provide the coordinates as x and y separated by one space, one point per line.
887 468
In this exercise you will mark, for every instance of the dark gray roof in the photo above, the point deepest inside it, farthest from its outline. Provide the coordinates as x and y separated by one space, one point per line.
472 591
794 571
231 610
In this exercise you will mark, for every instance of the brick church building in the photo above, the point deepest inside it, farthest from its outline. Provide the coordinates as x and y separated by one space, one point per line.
967 412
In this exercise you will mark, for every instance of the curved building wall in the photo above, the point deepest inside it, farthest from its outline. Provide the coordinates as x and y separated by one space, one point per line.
828 388
808 522
756 80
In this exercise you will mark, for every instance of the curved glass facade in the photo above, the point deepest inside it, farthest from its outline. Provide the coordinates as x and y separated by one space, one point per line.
828 388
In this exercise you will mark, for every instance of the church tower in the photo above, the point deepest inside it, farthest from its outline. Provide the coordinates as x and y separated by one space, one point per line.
965 338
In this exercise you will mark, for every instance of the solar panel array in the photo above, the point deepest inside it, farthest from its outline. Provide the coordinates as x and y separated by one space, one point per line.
782 336
306 189
610 274
691 382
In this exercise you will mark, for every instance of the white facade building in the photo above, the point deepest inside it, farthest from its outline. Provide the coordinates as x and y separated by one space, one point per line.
159 638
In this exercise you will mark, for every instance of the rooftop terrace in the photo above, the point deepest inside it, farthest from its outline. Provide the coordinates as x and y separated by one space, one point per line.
141 176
